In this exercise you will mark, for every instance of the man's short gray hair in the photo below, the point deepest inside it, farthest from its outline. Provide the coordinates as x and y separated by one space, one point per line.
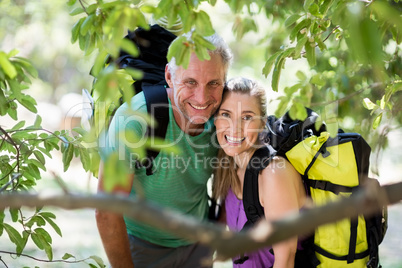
221 49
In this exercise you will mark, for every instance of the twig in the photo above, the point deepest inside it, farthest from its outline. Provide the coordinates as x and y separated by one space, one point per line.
41 260
347 97
333 30
15 145
60 182
83 7
13 178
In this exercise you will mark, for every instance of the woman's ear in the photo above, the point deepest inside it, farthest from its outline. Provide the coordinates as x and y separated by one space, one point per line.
264 123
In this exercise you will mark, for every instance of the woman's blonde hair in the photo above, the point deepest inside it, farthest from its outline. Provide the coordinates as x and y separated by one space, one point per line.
225 177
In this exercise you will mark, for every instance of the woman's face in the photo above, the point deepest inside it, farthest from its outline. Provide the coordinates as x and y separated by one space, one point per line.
238 123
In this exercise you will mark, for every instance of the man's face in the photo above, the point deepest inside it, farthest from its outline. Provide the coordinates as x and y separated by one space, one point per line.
197 90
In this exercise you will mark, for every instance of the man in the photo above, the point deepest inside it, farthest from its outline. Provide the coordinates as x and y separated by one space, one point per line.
178 181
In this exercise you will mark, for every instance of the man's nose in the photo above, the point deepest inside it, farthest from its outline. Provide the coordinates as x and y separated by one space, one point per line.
202 94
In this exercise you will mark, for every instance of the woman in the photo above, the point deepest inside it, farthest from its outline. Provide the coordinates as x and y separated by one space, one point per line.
239 121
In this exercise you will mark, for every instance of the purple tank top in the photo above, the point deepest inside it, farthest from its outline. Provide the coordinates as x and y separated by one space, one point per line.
236 218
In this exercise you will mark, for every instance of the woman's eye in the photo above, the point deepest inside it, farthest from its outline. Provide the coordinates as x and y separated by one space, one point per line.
247 117
225 114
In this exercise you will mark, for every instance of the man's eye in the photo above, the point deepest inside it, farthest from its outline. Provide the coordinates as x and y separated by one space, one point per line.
214 83
192 83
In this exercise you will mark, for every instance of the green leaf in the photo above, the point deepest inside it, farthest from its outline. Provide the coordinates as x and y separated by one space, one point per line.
36 163
203 24
47 214
299 46
29 103
26 65
377 121
115 173
291 19
19 125
98 260
52 223
310 53
38 122
4 104
95 161
175 47
85 159
318 80
12 53
368 104
37 240
40 156
289 91
76 11
67 256
12 112
71 2
298 111
314 10
75 31
14 214
184 59
307 4
46 245
99 63
129 47
34 171
46 236
270 62
382 102
36 219
279 64
14 235
43 150
68 156
6 65
301 25
2 216
20 248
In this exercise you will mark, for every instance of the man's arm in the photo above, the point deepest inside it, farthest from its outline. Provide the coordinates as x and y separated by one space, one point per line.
112 230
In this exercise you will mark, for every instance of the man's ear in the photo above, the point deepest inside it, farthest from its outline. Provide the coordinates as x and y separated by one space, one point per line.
168 76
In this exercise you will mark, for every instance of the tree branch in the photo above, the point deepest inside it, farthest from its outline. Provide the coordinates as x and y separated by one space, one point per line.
368 200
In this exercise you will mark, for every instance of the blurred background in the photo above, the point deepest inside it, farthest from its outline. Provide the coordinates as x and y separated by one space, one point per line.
41 31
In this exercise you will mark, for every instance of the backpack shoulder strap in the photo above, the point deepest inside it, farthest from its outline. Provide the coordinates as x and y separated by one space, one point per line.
157 106
251 200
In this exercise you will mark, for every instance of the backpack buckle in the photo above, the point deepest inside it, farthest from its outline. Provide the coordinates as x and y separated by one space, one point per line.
322 185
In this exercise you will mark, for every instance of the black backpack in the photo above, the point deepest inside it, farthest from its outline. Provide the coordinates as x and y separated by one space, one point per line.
291 139
153 45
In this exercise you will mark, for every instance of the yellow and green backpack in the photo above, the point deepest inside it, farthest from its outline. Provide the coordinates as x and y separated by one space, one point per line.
331 168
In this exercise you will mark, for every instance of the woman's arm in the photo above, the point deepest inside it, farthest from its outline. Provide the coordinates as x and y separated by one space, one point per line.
281 192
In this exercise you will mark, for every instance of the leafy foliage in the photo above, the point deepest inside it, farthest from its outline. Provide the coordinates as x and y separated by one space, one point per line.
24 152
